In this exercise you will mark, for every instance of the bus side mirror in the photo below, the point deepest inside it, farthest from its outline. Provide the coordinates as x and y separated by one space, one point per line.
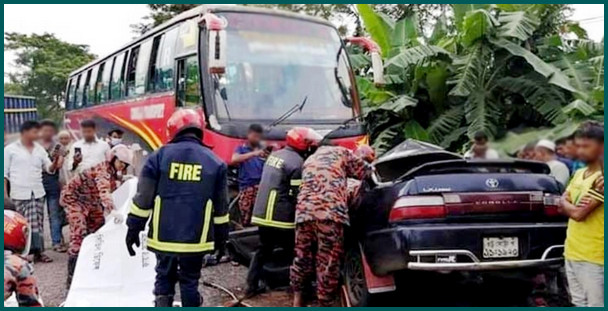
216 42
376 54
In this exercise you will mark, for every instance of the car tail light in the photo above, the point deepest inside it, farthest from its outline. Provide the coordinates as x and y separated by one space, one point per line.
418 207
551 203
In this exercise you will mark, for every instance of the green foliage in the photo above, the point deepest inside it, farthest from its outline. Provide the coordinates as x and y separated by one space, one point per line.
491 68
546 99
160 13
518 25
476 25
377 26
43 65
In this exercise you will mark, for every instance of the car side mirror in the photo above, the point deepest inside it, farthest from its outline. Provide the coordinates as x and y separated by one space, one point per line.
216 42
375 52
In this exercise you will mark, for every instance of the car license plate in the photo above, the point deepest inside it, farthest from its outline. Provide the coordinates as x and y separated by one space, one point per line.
500 247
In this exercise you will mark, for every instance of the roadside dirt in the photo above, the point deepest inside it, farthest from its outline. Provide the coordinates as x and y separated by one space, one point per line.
424 290
51 278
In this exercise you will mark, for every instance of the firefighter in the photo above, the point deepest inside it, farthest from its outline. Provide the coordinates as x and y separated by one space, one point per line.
182 186
87 198
321 218
18 277
274 207
367 153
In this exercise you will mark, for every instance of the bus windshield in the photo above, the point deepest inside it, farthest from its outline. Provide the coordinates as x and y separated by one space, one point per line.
274 62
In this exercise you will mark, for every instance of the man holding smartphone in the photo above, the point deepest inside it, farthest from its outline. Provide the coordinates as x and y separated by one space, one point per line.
88 151
249 159
52 186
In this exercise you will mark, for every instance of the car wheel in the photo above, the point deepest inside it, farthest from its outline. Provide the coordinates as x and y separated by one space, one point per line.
354 279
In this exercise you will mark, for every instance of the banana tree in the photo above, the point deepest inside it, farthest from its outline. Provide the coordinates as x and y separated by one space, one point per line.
480 74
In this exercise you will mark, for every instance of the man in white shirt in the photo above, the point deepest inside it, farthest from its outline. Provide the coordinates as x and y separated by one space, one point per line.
88 151
545 152
24 162
481 149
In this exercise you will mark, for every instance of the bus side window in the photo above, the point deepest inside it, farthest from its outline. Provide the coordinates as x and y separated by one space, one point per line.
104 91
118 77
141 68
130 74
69 96
78 91
188 86
85 89
151 87
166 61
92 86
188 34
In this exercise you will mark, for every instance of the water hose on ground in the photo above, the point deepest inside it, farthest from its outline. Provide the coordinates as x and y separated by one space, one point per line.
236 302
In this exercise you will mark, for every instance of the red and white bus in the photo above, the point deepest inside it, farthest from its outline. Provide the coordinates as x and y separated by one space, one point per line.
238 65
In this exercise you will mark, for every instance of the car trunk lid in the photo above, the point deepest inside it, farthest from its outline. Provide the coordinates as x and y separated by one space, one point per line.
476 203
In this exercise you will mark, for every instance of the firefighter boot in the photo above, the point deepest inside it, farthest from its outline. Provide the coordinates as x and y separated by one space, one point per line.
163 301
71 267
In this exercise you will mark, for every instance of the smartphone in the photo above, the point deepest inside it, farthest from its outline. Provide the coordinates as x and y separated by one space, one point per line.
56 150
269 148
77 151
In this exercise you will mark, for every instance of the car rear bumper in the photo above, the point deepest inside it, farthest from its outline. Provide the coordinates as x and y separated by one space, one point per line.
458 247
551 256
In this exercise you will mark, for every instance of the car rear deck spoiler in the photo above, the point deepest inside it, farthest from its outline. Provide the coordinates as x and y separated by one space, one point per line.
455 166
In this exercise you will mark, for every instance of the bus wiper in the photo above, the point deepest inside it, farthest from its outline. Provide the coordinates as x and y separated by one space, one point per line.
345 101
223 96
343 125
288 113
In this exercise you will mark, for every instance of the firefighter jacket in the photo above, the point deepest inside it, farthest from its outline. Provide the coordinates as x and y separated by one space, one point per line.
276 200
183 187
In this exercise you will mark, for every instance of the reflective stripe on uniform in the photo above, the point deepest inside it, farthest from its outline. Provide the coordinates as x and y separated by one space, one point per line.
221 219
202 246
156 218
268 221
272 197
139 212
295 182
272 223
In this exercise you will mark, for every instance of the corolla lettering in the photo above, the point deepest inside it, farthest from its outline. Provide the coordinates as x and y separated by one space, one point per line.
436 189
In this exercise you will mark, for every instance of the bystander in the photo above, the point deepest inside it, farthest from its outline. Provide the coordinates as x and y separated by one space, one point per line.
249 158
545 152
481 149
115 137
65 140
583 203
52 187
24 162
88 151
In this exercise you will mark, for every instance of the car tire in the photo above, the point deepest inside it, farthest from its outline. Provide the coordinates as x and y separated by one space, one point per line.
353 277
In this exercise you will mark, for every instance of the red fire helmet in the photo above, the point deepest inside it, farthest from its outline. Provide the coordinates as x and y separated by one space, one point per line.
301 138
366 152
183 119
16 233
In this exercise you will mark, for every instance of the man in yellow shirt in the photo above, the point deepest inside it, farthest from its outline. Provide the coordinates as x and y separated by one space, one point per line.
583 203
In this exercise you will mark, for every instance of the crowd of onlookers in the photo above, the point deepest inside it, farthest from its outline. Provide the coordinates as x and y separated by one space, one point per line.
577 163
560 155
37 167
